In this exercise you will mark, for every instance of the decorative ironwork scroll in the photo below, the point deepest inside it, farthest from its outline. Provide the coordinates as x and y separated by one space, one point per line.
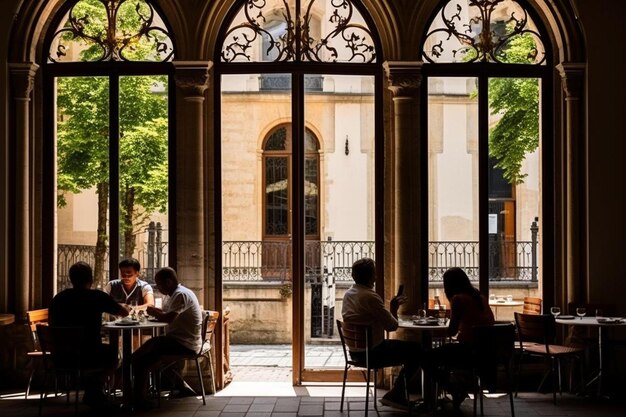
111 30
301 36
484 31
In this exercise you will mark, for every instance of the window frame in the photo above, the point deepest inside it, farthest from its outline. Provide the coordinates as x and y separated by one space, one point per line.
113 70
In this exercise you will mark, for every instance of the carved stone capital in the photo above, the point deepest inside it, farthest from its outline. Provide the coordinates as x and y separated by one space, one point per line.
573 79
404 77
192 77
23 78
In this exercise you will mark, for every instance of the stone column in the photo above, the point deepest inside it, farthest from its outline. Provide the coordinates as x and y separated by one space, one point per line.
191 82
404 80
575 178
22 80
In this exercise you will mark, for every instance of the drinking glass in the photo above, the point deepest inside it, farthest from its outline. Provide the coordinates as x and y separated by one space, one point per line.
555 311
421 314
442 314
580 312
599 313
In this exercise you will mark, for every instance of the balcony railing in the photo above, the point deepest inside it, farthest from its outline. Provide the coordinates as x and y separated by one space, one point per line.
247 261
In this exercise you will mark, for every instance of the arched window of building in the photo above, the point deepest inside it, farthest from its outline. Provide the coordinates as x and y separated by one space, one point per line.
488 75
107 82
276 164
300 116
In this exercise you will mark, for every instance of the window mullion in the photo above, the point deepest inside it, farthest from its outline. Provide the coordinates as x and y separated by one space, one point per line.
114 172
483 183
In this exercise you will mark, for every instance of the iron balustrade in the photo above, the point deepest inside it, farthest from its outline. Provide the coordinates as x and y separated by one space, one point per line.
248 261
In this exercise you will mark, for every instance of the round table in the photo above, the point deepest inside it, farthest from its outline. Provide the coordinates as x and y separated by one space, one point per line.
496 304
6 319
593 322
127 350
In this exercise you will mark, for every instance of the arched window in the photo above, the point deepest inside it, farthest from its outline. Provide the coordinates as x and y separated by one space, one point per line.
300 135
276 165
107 78
487 78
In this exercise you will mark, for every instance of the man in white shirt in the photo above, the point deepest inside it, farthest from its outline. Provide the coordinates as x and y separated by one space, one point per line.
362 305
182 312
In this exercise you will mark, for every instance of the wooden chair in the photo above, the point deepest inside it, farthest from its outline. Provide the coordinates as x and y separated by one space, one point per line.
356 337
492 347
209 322
34 318
537 334
532 305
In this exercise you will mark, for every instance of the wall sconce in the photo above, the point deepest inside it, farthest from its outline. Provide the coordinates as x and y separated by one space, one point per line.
347 146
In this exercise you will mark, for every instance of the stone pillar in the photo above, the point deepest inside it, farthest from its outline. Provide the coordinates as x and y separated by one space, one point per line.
22 80
191 82
407 237
575 287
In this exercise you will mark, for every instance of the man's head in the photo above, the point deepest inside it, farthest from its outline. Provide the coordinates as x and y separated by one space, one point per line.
364 272
81 275
129 271
166 280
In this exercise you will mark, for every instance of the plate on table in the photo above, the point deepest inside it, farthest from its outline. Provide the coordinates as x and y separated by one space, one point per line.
127 322
153 320
610 320
565 317
427 322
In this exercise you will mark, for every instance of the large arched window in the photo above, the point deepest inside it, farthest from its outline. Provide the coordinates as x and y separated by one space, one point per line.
300 131
489 146
107 78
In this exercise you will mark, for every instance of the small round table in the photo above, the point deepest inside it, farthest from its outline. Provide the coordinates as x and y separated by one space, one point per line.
503 303
127 350
6 319
593 322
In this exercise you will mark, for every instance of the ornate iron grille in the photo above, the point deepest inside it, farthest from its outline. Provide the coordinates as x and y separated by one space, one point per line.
347 37
111 30
483 31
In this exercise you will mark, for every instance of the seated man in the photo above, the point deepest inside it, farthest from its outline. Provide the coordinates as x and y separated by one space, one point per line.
80 306
129 289
182 312
362 305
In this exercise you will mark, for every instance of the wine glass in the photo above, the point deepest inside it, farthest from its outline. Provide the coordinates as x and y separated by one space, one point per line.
421 314
555 311
580 312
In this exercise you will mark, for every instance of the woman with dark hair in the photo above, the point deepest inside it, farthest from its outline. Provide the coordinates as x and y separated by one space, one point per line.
468 308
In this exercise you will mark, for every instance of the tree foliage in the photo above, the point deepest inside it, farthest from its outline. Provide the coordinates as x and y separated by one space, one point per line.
83 136
515 102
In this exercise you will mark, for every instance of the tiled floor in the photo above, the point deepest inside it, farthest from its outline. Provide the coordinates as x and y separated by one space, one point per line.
281 400
262 388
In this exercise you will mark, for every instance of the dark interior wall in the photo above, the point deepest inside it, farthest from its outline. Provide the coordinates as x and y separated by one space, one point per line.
604 29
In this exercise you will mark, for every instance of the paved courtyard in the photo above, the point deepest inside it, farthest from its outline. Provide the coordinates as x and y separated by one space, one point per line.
272 363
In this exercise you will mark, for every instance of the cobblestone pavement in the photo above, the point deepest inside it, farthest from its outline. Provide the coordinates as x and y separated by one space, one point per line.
272 363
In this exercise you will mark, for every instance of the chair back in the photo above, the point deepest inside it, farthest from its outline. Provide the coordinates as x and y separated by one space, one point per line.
532 305
354 337
62 346
209 322
492 345
34 318
535 328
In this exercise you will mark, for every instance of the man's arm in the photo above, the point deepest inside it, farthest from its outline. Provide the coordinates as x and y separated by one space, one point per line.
162 316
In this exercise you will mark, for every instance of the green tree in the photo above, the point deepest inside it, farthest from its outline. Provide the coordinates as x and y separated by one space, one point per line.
83 135
515 101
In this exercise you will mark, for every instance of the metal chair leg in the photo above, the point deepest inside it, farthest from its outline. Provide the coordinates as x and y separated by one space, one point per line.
201 381
343 387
